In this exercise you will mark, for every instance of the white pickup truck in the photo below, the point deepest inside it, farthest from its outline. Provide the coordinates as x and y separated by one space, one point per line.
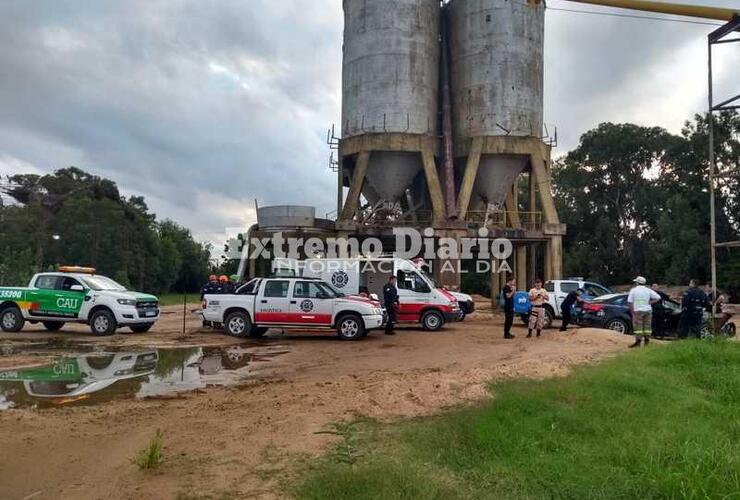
557 290
286 303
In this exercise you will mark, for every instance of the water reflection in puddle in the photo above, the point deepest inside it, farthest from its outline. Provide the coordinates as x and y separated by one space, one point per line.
99 377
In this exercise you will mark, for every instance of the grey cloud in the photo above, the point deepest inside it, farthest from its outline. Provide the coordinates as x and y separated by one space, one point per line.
201 105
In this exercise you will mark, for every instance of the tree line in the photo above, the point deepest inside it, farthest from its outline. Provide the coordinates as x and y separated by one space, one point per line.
71 217
636 201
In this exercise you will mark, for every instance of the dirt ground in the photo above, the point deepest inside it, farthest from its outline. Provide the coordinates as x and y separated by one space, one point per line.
235 442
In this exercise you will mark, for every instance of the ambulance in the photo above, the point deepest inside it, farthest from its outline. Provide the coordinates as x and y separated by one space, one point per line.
420 300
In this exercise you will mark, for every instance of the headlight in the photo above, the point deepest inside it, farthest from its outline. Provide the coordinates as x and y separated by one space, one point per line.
127 302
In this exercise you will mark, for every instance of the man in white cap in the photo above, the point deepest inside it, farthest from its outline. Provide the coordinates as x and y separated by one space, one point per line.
641 300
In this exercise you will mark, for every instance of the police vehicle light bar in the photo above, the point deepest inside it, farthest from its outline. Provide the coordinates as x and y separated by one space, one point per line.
76 269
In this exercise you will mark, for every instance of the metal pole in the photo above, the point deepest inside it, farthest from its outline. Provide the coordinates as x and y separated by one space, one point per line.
712 208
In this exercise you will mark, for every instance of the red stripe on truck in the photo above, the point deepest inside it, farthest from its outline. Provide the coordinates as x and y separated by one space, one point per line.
292 318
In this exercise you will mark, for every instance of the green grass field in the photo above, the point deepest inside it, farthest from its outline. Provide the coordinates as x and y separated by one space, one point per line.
171 299
661 422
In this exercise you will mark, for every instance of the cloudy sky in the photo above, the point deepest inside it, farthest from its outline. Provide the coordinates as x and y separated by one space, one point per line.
203 106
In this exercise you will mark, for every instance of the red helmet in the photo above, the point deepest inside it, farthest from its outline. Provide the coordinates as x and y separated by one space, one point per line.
223 278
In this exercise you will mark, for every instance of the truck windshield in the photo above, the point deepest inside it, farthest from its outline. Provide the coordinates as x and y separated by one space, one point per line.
99 283
333 290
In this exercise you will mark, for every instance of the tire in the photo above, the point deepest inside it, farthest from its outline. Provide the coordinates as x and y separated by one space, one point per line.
53 326
238 324
350 327
525 319
619 326
432 321
549 318
729 330
142 328
258 331
103 323
11 319
462 317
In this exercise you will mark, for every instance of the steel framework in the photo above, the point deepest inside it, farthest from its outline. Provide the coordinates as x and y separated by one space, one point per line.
721 35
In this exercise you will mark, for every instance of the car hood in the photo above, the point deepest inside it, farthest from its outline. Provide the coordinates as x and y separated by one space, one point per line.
462 297
127 295
357 298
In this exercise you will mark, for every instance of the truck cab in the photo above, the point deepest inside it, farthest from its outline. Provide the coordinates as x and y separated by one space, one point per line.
76 294
292 303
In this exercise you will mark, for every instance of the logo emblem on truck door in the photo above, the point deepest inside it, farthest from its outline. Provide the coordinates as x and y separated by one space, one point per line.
339 279
306 306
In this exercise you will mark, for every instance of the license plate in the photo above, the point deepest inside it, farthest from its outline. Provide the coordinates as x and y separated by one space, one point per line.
150 314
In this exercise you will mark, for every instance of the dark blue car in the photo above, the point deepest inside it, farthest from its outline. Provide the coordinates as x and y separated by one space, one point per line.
612 312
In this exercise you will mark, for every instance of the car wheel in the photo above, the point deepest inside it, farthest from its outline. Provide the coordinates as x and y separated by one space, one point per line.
102 323
350 327
619 326
142 328
729 330
53 326
258 331
237 324
11 320
432 321
549 317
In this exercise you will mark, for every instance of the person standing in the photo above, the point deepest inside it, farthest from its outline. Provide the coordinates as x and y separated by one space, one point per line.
567 306
390 299
537 296
509 291
209 287
641 300
692 311
658 308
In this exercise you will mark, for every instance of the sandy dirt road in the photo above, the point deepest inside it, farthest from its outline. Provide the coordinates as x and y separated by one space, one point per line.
234 442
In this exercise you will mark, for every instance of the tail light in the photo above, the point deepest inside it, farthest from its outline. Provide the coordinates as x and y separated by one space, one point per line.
204 304
593 307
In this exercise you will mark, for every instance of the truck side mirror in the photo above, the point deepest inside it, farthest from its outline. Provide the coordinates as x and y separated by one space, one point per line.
76 288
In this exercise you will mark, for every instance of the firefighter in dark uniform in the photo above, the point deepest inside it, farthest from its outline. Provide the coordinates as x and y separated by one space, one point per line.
210 287
390 299
692 314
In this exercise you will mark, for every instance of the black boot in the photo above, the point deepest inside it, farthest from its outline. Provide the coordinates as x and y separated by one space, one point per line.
638 341
647 341
529 335
538 333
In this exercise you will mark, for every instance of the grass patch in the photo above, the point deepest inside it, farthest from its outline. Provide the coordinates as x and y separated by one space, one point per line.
151 456
174 299
658 423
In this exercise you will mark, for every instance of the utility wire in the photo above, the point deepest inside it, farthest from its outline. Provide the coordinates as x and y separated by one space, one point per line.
633 16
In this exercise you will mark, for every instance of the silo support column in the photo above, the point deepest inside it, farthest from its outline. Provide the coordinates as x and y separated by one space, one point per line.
556 253
355 189
495 285
542 180
471 172
435 188
521 267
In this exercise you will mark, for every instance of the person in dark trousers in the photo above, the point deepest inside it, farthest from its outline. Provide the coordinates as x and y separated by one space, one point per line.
567 306
390 299
509 291
692 311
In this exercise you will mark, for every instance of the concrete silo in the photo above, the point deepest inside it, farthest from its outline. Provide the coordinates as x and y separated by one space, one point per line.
390 84
496 72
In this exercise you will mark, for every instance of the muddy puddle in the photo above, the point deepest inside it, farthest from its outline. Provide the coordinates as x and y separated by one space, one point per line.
47 375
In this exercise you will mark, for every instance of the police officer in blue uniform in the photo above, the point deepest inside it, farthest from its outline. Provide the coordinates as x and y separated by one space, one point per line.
390 299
